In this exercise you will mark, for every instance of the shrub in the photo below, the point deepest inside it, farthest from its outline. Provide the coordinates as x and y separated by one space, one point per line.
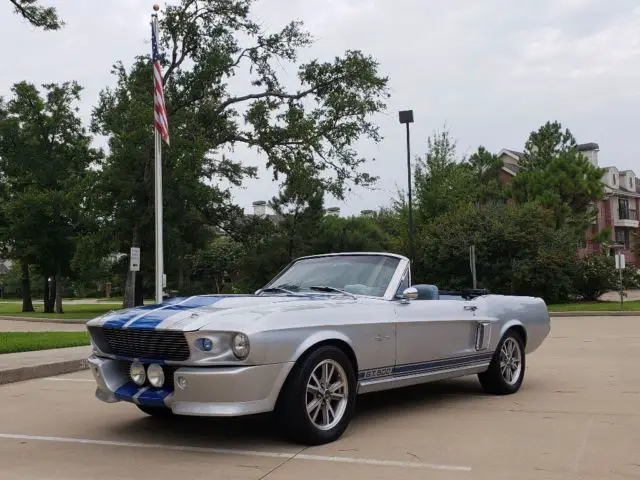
595 275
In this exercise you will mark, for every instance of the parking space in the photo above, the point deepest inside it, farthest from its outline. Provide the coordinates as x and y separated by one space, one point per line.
576 417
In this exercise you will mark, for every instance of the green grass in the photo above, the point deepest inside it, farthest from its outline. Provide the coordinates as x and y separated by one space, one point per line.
76 311
12 342
628 306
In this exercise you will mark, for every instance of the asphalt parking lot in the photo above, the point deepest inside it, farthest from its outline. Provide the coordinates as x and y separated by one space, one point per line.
576 417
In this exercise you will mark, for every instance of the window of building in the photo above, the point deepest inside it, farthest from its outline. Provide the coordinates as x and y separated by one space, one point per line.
622 237
623 208
615 179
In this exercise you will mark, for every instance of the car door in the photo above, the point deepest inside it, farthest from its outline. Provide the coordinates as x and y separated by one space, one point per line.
433 335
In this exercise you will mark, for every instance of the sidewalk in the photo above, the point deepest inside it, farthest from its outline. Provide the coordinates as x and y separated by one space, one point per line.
17 367
64 321
39 326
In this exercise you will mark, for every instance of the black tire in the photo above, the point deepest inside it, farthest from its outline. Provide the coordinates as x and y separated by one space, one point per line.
492 380
291 409
156 412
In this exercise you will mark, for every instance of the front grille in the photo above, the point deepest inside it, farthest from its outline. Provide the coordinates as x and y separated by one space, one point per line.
144 344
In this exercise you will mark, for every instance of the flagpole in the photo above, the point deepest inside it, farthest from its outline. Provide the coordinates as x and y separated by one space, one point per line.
158 194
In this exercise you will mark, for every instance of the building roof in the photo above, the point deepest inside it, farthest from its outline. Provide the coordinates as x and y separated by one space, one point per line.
586 147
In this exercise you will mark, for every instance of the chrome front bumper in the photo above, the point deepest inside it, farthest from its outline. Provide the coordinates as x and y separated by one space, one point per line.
206 391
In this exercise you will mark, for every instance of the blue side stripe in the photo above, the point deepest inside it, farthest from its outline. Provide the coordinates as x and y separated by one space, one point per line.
424 367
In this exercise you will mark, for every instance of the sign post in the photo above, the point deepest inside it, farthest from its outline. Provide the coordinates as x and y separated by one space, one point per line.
134 266
620 264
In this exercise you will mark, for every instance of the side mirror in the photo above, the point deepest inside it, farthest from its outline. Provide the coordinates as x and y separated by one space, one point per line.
410 293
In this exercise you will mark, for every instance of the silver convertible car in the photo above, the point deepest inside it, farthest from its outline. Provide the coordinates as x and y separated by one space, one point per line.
325 329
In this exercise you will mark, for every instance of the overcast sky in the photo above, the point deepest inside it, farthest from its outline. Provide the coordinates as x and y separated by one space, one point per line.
491 70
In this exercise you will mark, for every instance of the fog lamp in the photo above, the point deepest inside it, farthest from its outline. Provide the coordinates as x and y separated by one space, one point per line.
155 375
136 372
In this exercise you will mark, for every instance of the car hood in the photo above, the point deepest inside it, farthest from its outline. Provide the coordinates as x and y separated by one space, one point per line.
193 313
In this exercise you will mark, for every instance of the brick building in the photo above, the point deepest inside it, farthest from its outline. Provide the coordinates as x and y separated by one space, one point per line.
618 211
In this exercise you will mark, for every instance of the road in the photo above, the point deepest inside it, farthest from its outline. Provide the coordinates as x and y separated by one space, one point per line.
576 417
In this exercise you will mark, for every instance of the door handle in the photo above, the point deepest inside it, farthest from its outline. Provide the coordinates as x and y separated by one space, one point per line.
472 308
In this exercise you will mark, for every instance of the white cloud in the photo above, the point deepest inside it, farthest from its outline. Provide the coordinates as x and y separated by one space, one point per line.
492 70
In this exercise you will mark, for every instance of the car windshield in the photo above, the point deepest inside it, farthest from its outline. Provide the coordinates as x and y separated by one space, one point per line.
357 274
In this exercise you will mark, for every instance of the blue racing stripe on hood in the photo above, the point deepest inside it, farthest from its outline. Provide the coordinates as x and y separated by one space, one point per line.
158 312
151 320
120 318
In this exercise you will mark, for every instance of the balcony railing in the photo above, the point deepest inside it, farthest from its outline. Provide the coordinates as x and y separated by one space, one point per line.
628 215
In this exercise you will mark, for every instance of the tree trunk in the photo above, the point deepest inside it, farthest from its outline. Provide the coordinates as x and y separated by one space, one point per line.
139 294
58 297
181 275
27 303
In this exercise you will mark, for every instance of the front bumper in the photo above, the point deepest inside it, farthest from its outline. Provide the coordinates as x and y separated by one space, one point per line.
207 391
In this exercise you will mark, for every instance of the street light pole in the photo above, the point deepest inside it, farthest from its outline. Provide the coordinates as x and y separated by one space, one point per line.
406 117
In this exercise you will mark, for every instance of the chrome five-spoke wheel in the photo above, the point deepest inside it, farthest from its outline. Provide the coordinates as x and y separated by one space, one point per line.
317 401
506 370
327 394
510 361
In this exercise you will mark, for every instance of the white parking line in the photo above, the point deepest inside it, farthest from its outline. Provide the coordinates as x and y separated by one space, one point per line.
231 451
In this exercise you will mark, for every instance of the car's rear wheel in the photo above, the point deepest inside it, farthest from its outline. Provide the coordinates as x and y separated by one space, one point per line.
506 370
318 399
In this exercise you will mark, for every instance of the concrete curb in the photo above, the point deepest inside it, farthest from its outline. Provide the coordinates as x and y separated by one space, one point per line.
46 320
613 313
31 372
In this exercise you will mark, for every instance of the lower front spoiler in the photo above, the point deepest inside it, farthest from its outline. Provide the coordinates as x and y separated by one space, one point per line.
199 391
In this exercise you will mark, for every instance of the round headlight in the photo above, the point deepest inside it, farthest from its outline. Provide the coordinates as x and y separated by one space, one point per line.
136 372
240 346
155 375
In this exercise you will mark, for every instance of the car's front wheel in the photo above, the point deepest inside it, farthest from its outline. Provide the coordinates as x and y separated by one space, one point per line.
506 370
318 399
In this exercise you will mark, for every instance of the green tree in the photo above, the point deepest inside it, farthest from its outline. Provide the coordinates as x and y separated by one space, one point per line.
556 174
44 157
217 262
442 182
485 170
42 17
299 209
206 44
518 251
352 234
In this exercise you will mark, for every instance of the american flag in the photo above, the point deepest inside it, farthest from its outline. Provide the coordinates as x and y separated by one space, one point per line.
160 113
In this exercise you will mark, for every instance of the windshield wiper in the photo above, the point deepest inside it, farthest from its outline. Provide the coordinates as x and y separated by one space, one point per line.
275 290
324 288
